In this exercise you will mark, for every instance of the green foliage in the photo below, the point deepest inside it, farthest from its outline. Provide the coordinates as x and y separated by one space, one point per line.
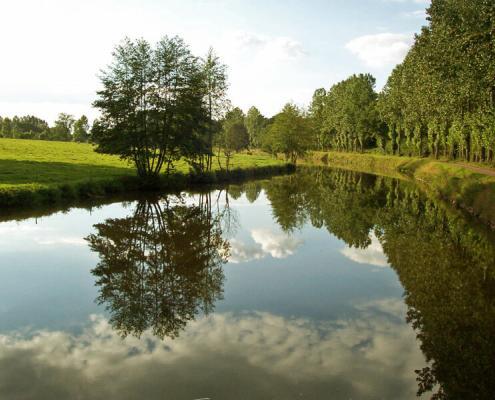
234 136
152 105
289 134
63 128
199 150
317 111
6 128
345 117
444 91
81 130
255 122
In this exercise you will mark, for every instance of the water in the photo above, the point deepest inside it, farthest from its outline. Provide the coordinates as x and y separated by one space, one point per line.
324 284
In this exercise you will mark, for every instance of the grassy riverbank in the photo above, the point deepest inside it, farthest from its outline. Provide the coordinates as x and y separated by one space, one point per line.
467 186
39 173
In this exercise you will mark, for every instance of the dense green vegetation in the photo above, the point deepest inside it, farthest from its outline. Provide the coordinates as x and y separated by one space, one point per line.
439 102
163 108
160 104
66 128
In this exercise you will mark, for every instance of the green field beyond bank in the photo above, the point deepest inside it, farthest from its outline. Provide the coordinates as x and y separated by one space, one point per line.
66 170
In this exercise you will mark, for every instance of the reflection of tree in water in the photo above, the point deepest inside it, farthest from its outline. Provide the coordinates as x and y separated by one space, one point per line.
160 267
446 266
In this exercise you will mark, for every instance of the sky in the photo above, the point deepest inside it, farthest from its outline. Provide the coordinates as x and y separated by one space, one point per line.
276 50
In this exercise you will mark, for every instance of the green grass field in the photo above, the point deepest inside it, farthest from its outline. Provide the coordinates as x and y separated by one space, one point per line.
36 163
52 168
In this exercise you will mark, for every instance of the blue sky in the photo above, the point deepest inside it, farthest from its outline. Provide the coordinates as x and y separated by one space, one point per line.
277 51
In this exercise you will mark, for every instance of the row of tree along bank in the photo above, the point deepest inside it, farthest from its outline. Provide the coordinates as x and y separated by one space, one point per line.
439 102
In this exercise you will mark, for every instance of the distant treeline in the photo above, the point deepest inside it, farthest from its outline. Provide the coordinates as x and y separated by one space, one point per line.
439 102
66 128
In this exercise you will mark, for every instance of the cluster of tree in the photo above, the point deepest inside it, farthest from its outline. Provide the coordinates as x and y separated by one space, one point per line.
345 117
159 104
439 102
66 128
441 99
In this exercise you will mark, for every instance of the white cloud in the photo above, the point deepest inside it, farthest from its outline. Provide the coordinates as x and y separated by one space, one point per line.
372 255
381 50
258 353
266 243
278 245
266 48
241 252
28 233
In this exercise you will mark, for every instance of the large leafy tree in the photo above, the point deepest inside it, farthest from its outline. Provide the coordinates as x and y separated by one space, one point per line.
62 129
317 117
441 99
290 133
350 114
81 129
255 122
234 136
6 130
216 85
152 104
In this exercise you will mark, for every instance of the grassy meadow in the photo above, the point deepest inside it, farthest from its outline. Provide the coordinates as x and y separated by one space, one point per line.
35 171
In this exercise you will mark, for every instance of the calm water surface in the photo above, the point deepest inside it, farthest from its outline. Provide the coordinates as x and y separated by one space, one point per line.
326 284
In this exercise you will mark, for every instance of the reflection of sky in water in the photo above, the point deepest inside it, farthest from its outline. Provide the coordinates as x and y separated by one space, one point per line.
302 313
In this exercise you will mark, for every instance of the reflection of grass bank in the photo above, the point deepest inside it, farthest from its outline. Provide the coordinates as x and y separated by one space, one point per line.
34 173
469 189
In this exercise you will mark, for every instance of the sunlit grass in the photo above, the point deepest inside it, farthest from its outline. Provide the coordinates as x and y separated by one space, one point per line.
40 164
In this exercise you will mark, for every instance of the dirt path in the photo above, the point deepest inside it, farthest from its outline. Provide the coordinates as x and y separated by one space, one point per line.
479 170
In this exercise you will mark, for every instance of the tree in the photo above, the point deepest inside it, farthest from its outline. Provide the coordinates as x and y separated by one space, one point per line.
441 99
317 117
349 113
235 136
215 75
152 105
290 133
255 122
62 130
7 127
28 127
81 129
